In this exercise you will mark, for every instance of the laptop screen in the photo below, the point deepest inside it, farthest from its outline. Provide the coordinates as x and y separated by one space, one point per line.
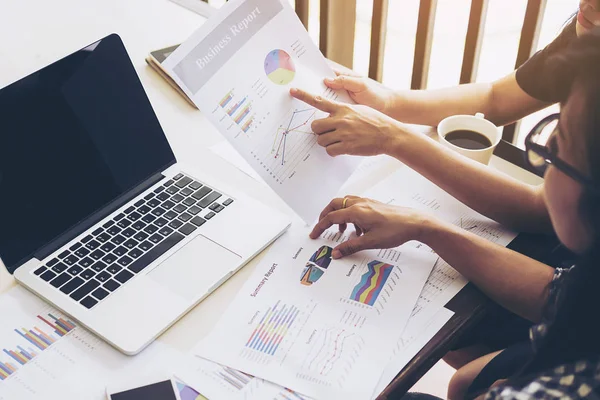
74 136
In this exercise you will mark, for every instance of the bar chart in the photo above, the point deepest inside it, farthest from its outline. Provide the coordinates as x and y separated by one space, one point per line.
239 111
272 329
34 341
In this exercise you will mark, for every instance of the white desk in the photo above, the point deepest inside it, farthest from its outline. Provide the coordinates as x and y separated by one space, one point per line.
35 33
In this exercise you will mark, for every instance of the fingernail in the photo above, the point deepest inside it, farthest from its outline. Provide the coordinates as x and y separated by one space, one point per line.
336 254
293 90
318 98
329 80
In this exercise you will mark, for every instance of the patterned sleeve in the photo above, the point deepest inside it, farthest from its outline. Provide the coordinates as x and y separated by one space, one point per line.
538 331
579 380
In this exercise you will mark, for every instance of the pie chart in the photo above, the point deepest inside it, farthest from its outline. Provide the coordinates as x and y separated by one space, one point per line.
279 67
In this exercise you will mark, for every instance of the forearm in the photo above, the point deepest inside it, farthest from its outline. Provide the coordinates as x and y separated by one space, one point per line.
511 279
502 102
429 107
506 200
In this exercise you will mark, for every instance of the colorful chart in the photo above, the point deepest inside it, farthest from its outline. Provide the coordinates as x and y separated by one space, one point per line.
322 257
226 99
371 283
188 393
248 124
279 67
316 266
38 338
272 328
311 274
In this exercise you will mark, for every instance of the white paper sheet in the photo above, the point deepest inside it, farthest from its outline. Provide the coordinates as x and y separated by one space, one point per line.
218 382
226 151
324 328
238 69
53 362
409 189
366 171
417 334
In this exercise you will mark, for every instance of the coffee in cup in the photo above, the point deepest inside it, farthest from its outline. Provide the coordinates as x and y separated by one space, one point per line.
472 136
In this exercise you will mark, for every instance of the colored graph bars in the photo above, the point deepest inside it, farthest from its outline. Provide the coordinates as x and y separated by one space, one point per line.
40 341
225 100
272 328
239 111
235 107
242 114
294 125
371 283
248 124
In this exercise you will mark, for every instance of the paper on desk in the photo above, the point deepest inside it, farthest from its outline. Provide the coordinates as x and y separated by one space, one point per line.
324 328
49 357
417 334
226 151
218 382
238 69
366 170
409 189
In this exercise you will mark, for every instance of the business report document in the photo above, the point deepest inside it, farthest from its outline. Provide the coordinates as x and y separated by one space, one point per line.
324 328
408 188
238 69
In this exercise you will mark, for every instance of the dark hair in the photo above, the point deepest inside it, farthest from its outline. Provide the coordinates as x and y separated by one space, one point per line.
575 332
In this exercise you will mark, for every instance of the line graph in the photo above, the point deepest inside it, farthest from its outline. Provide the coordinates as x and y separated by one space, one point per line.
294 126
329 349
288 142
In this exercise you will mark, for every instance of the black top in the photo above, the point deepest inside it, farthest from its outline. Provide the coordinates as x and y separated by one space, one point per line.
534 82
74 136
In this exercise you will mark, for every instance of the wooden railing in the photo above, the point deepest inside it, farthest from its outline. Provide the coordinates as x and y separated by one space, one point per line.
337 30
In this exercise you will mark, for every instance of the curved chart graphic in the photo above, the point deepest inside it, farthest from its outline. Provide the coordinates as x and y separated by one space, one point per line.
371 283
322 257
311 274
279 67
316 266
332 349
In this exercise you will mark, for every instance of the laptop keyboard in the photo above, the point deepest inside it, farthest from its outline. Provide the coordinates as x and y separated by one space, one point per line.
100 263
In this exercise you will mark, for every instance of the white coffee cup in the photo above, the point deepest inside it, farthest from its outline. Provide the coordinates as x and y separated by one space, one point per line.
476 123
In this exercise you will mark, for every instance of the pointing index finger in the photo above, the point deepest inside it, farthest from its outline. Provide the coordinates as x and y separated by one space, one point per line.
315 101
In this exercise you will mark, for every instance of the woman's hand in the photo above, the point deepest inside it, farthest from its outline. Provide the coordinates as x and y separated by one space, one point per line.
363 90
378 225
351 129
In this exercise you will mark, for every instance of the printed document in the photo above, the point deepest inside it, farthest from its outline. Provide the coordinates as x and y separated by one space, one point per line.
407 188
324 328
219 382
238 69
46 355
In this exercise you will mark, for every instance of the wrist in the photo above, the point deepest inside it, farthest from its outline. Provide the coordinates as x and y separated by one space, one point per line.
396 103
400 140
434 230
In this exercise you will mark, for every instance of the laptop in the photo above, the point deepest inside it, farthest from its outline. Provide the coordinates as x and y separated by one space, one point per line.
96 215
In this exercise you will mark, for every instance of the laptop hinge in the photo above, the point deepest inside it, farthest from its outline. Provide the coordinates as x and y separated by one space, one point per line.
90 221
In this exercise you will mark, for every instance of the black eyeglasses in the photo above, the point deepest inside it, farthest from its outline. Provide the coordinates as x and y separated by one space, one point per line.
541 149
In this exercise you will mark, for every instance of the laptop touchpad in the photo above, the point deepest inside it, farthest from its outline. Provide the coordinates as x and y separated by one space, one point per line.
195 268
